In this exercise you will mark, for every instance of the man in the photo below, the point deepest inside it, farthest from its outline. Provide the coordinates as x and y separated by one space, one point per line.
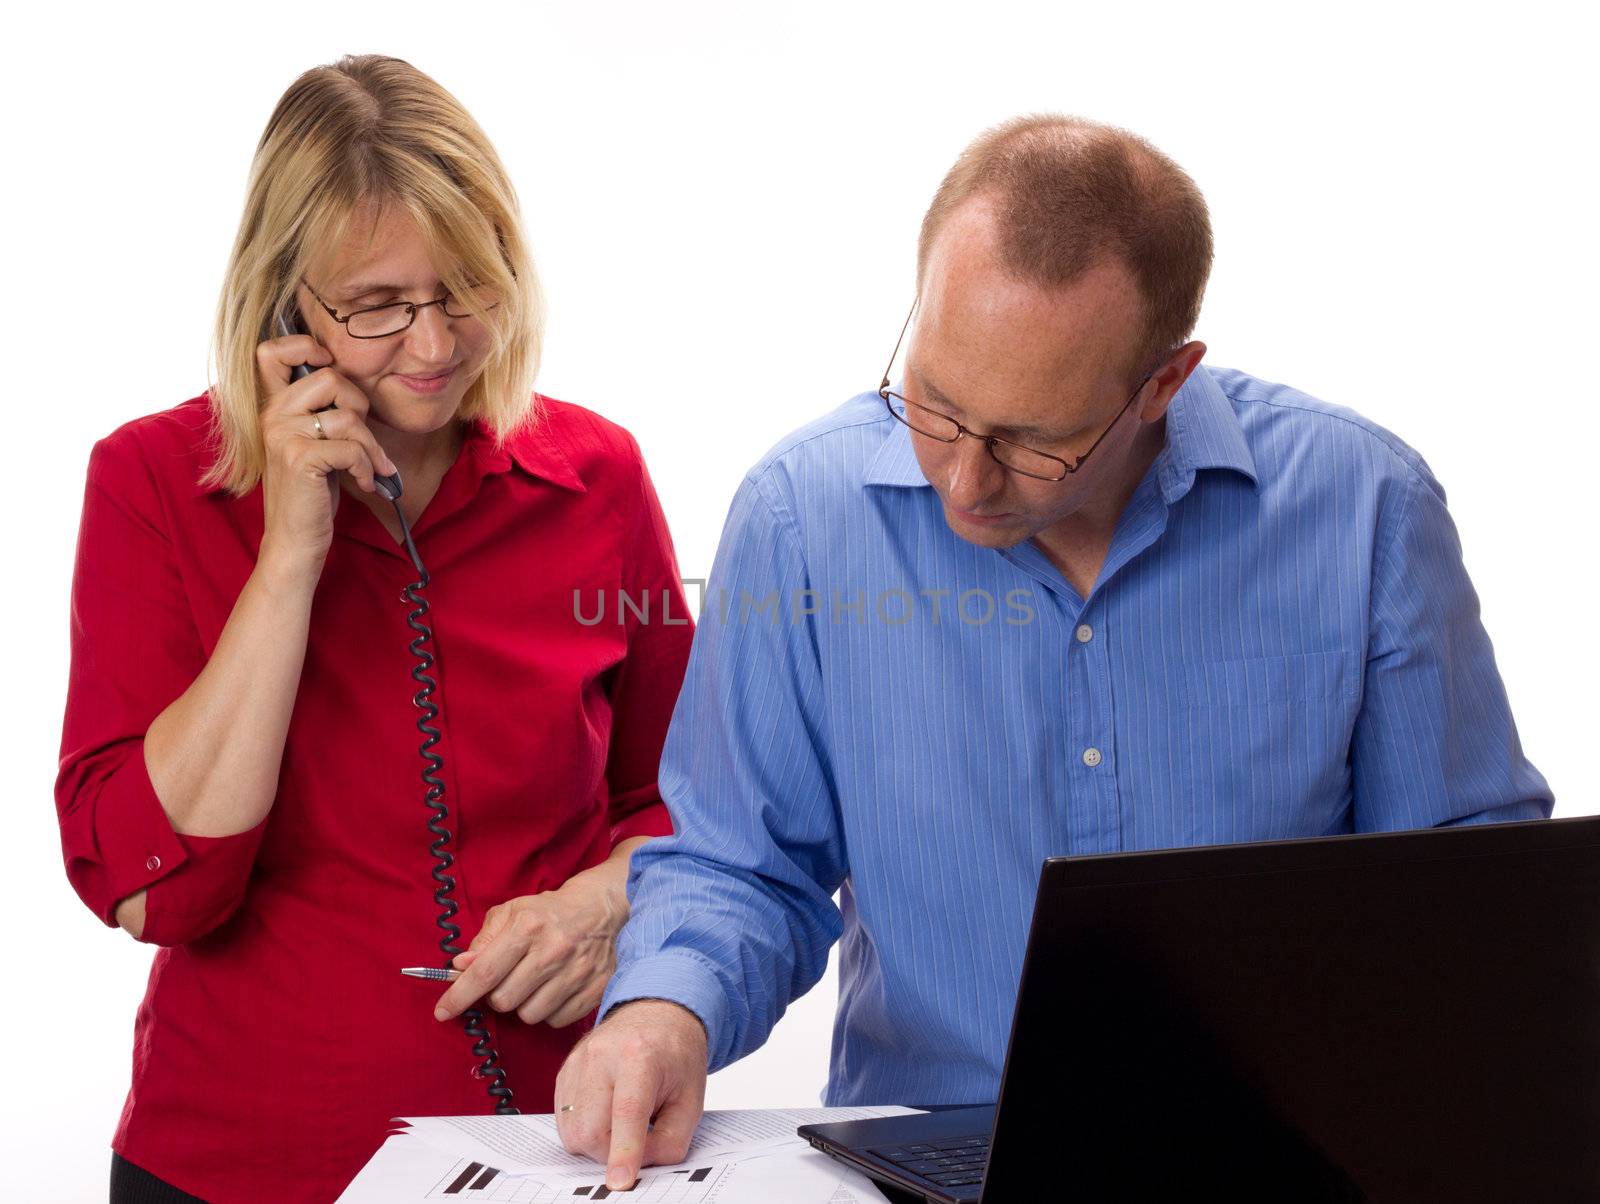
1062 590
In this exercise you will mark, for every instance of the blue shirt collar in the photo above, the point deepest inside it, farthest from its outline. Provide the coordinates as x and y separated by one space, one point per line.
1202 432
895 463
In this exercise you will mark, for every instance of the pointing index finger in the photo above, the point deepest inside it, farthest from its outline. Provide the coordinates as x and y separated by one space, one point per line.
632 1102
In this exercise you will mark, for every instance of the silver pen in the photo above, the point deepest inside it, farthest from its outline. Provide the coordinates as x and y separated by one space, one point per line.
431 974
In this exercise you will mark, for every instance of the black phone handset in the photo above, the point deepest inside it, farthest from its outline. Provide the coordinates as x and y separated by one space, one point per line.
483 1049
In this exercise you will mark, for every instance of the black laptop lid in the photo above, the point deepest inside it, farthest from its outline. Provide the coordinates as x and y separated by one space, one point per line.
1403 1017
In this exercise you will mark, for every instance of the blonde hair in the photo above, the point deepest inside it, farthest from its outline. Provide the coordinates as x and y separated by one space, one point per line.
371 129
1069 192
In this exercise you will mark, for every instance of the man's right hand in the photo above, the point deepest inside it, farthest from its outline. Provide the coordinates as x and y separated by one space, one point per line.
636 1086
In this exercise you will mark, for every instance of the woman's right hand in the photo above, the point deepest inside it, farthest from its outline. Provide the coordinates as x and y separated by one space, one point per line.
300 486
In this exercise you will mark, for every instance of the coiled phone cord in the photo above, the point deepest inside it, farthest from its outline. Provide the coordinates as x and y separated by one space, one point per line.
472 1019
483 1048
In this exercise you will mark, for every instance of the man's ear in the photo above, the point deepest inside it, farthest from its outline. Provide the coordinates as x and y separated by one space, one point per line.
1167 379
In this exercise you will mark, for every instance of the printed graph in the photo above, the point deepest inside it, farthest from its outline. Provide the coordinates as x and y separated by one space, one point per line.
476 1182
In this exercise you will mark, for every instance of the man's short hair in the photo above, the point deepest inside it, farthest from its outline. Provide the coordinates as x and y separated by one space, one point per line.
1067 194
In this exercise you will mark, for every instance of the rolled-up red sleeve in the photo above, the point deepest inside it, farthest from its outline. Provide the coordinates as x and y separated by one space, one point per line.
644 687
134 649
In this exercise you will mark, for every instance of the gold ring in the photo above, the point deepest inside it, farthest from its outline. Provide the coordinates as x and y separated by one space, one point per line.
316 420
566 1108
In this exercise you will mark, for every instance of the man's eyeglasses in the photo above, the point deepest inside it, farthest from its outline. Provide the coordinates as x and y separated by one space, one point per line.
1019 458
381 321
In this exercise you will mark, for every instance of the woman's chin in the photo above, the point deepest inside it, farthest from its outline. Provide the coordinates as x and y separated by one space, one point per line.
415 415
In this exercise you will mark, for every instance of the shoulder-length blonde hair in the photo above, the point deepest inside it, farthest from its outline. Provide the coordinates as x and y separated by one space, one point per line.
371 129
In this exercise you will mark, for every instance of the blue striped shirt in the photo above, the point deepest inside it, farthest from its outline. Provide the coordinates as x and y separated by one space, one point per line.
1282 642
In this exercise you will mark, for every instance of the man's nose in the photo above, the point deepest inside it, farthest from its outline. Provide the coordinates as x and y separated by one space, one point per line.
974 475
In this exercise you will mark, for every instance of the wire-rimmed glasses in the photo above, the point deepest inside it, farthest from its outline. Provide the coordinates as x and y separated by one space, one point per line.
381 321
1018 457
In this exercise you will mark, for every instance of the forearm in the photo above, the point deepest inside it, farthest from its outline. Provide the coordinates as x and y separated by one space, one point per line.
214 754
610 877
732 946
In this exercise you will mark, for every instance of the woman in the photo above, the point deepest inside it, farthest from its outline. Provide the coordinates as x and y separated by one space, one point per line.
242 768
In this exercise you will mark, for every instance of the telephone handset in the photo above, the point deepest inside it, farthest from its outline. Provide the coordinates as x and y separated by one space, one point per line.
483 1049
389 486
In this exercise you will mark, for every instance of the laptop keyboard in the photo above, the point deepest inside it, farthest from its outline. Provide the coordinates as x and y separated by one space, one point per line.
954 1162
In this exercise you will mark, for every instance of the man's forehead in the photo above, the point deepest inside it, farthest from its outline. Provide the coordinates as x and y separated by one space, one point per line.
1020 408
975 343
968 282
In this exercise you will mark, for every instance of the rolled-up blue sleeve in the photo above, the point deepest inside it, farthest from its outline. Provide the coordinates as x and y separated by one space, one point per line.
733 915
1434 742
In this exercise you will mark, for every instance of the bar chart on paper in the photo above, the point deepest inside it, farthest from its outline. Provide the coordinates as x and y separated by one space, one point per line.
751 1157
472 1181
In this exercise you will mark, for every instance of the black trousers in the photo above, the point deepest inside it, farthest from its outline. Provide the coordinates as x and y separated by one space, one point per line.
132 1184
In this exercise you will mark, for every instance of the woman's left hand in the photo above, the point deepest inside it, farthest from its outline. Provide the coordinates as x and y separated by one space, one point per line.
546 957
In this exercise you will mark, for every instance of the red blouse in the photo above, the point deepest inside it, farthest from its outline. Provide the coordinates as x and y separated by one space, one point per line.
277 1036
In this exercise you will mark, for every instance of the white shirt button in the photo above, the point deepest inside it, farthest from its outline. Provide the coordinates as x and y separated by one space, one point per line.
1091 757
152 863
1085 633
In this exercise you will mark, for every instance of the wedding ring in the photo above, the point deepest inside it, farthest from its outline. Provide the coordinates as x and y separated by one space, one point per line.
565 1108
316 420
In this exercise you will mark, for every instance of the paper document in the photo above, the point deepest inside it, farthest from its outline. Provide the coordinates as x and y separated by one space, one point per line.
750 1156
529 1145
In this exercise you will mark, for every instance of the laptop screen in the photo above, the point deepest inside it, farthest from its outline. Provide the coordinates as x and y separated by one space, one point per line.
1410 1017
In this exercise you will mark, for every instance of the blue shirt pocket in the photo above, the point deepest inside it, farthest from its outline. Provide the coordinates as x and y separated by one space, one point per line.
1265 680
1267 744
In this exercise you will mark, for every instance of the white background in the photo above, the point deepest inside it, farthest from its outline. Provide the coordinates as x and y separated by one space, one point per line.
723 201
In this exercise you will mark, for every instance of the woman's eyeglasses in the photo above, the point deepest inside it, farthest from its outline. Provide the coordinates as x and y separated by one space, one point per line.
381 321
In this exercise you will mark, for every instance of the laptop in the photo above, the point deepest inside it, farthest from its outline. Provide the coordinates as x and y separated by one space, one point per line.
1407 1016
